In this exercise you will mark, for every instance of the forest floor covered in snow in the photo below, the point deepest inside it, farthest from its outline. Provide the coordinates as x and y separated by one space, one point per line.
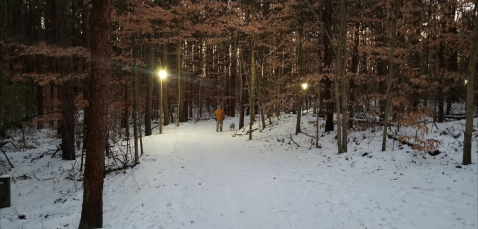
195 177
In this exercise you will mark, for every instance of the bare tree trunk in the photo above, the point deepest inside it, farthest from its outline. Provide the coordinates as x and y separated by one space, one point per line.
92 208
140 122
441 99
85 40
135 105
261 99
354 69
140 134
252 91
149 93
241 91
318 115
199 103
39 93
279 84
343 67
180 110
328 57
301 93
126 110
340 64
164 94
299 114
233 70
85 23
191 86
39 65
469 94
186 86
337 111
227 76
135 119
393 37
203 69
67 94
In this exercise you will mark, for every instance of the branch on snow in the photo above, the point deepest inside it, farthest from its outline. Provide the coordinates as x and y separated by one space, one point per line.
292 140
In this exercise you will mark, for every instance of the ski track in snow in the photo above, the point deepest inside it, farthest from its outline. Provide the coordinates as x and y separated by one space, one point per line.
193 177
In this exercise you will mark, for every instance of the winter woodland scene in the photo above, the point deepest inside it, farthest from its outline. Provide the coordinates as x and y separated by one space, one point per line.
210 114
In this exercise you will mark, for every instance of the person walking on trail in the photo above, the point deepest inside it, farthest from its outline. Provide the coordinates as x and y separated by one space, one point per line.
219 113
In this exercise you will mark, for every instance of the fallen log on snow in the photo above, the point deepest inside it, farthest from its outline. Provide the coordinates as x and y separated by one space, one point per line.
413 145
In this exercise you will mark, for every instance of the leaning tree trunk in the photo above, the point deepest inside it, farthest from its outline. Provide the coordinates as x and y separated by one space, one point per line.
469 94
92 208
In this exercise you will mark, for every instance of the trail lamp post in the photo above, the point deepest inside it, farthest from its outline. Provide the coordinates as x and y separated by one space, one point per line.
162 74
299 108
304 88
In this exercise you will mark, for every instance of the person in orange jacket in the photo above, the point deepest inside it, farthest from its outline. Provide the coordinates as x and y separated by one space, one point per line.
220 116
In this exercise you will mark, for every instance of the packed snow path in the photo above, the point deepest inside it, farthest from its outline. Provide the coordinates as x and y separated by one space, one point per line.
192 177
198 178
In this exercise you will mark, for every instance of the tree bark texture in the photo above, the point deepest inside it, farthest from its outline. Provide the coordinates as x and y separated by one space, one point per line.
149 93
85 25
393 37
343 79
260 99
135 105
328 56
252 87
164 93
241 93
92 208
469 94
40 93
67 97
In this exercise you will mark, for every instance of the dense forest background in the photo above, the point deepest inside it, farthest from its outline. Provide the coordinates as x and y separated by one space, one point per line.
369 62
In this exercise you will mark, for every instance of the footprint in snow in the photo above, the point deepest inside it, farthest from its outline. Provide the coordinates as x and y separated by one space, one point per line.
149 159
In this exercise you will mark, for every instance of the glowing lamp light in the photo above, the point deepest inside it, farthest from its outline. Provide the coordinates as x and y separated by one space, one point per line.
466 81
162 74
304 86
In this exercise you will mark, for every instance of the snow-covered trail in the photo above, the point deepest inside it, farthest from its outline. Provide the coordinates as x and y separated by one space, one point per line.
193 177
199 180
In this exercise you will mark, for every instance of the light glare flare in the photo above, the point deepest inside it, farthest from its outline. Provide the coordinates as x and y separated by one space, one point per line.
162 74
